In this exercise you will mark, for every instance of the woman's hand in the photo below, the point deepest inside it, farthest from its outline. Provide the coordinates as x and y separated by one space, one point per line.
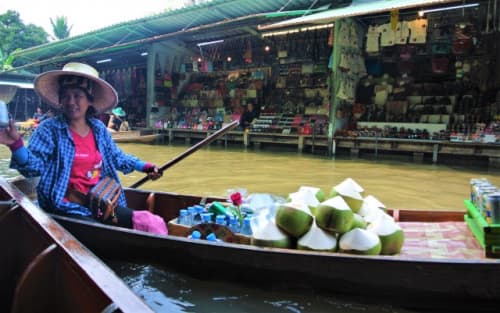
9 135
153 171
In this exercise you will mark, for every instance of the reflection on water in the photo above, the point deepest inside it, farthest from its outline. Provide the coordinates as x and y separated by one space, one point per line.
214 170
166 291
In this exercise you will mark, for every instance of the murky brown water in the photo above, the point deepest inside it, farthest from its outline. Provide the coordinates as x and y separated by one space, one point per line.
398 184
214 170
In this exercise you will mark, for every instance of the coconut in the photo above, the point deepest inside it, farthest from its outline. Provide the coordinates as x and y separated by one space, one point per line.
334 215
306 196
269 235
360 241
295 218
318 193
358 221
374 214
318 240
374 201
370 203
350 191
391 235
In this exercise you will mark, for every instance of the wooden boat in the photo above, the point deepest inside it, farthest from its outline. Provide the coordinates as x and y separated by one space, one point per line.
43 268
136 136
447 272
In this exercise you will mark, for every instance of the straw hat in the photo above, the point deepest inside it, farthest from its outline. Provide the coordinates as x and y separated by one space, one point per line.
7 92
74 74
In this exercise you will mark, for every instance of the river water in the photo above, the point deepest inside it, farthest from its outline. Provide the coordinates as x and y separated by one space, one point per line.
216 170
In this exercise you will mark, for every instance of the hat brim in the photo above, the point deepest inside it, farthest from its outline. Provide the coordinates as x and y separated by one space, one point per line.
47 87
7 92
119 113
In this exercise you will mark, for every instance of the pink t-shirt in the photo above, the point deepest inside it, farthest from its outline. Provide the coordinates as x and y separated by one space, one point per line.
87 164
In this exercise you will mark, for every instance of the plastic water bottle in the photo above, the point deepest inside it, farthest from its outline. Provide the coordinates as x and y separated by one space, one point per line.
195 235
200 208
217 208
220 219
183 217
234 224
198 211
245 228
4 115
192 216
211 237
206 217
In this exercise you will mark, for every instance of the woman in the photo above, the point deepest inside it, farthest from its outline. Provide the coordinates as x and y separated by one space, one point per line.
73 151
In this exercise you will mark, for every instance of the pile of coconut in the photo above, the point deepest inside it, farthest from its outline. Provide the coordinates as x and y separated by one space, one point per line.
345 221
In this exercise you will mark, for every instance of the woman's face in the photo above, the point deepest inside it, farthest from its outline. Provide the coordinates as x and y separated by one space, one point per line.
74 103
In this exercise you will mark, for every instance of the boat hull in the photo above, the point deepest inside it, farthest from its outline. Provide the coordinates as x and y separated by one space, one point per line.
410 282
136 136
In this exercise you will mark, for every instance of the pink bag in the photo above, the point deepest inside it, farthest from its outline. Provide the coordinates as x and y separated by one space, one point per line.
149 222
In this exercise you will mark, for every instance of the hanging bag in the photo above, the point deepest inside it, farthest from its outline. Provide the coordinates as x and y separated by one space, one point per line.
103 199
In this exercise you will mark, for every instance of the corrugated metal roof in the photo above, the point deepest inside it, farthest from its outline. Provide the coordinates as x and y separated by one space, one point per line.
357 8
219 18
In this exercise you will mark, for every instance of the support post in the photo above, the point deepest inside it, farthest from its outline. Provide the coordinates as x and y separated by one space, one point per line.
435 151
301 143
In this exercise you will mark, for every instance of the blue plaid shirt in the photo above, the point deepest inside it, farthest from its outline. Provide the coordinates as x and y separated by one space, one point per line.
51 153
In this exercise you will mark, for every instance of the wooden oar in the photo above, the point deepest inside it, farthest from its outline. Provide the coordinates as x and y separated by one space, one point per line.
186 153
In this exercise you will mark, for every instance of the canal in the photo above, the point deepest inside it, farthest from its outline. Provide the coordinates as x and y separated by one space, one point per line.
217 170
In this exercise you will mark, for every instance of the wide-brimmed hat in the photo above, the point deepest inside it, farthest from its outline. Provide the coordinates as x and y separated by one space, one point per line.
118 111
73 74
7 92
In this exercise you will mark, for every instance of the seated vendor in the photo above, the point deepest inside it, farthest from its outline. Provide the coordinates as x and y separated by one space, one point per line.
116 119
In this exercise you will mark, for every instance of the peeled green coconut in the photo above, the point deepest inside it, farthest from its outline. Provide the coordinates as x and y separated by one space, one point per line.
350 191
374 214
318 240
318 193
374 201
369 203
306 196
269 235
360 241
334 215
295 218
391 235
358 222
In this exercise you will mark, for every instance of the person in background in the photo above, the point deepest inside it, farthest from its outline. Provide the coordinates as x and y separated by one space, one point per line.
250 113
38 115
116 119
73 151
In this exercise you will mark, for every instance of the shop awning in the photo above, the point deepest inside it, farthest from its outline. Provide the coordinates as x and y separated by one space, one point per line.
357 8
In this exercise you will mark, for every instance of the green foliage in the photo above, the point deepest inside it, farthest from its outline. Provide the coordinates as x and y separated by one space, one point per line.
15 34
60 27
6 60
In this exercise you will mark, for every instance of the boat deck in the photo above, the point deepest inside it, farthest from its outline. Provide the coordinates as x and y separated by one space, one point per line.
444 240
